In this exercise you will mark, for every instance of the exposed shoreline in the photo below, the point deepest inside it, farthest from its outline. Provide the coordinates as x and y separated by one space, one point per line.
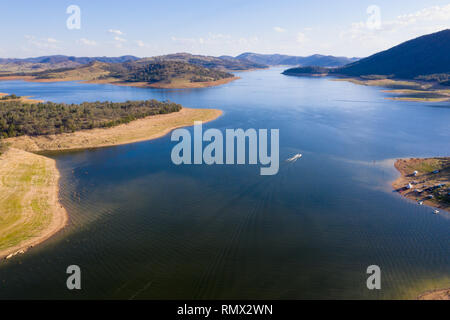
440 294
420 187
425 168
19 153
180 85
25 99
404 90
36 198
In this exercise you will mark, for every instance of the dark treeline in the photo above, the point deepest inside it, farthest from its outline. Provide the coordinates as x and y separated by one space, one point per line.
306 70
18 118
9 97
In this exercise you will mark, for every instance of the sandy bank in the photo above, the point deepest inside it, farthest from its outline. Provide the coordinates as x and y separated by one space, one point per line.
139 130
405 90
30 211
431 183
26 99
174 85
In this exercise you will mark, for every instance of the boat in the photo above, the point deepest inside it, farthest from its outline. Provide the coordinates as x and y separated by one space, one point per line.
436 211
295 158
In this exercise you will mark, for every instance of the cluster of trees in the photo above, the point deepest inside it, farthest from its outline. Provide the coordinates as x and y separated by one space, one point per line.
9 97
18 118
442 78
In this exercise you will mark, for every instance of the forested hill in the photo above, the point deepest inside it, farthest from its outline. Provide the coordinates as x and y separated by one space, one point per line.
164 71
220 63
151 72
423 56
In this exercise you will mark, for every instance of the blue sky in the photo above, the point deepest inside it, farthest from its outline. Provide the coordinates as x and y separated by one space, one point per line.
147 28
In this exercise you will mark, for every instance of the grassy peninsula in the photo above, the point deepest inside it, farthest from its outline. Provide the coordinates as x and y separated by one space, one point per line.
29 208
30 211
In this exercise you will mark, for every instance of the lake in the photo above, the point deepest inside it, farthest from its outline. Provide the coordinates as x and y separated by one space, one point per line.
143 228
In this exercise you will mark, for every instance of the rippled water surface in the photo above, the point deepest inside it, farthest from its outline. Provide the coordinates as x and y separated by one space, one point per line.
141 227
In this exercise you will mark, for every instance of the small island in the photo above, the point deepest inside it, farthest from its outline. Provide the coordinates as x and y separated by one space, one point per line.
425 181
29 206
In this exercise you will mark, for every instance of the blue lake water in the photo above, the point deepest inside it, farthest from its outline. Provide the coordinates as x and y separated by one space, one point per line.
143 228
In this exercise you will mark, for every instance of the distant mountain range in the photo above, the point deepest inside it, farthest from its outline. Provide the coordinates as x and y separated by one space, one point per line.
279 59
245 61
27 65
68 59
423 58
223 62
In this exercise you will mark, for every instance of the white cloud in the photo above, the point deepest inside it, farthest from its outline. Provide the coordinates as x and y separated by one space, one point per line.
214 44
395 31
119 39
47 43
301 37
143 44
427 14
215 39
87 42
279 29
116 32
184 40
